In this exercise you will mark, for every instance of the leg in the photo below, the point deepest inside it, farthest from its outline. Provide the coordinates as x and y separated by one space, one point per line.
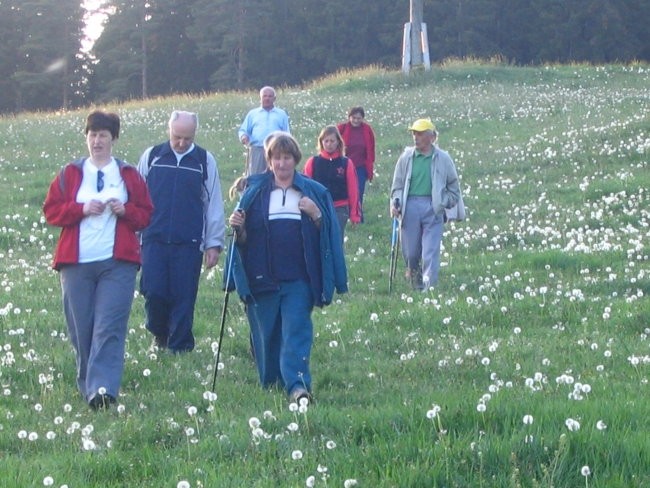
265 322
185 271
297 335
362 177
256 161
154 285
113 299
342 215
412 238
431 240
78 293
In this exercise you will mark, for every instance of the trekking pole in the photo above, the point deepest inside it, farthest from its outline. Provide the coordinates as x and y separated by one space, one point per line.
225 304
394 247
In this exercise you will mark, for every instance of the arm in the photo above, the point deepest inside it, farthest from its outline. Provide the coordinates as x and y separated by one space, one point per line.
60 209
244 131
399 182
370 151
215 224
451 193
138 208
353 192
143 163
308 170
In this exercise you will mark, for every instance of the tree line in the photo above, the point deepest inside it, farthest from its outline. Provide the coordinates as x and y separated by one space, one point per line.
162 47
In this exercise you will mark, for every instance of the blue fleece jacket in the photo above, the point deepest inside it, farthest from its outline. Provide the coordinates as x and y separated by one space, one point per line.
325 267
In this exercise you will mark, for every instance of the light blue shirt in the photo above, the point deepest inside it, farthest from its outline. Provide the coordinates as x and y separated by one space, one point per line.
259 123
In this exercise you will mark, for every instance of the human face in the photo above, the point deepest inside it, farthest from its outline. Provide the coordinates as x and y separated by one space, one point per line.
100 145
268 99
355 119
423 141
330 143
181 134
283 166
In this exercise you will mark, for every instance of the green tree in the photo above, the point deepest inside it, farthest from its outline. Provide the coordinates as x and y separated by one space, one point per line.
43 67
145 51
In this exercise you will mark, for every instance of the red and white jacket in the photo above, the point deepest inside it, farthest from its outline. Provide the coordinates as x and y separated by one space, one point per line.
62 210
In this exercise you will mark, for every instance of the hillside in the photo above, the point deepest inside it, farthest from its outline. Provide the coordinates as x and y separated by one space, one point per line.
528 363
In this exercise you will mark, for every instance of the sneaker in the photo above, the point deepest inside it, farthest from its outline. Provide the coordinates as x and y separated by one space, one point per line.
298 394
100 402
414 277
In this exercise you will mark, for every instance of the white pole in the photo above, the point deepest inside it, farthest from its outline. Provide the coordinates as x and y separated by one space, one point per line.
406 49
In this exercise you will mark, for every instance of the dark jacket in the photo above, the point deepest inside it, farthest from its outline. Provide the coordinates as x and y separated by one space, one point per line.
326 267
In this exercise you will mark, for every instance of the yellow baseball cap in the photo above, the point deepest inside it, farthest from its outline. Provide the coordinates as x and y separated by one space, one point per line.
422 125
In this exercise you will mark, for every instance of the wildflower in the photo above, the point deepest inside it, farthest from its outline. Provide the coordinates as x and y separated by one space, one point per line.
600 425
572 425
88 444
254 422
528 419
183 484
311 481
349 483
585 471
191 411
296 455
481 407
48 481
330 444
146 372
433 413
210 396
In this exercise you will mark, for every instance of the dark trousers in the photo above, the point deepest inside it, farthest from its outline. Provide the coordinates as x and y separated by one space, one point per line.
170 282
282 333
362 177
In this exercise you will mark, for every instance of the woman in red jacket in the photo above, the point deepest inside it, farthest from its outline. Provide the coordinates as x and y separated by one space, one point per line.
359 140
100 203
336 173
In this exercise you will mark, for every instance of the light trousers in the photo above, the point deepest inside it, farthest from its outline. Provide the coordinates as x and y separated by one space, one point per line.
97 300
421 235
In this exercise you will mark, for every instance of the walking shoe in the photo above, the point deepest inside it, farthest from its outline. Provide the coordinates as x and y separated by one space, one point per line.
298 394
414 277
160 342
99 401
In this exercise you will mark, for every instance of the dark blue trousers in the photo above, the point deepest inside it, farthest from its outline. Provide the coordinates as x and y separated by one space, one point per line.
170 282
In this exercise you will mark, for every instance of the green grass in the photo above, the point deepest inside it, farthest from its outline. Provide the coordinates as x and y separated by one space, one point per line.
544 288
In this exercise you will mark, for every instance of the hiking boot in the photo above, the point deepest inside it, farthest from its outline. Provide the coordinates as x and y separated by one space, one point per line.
300 396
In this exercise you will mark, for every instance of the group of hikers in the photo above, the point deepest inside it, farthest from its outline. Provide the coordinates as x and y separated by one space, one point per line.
287 252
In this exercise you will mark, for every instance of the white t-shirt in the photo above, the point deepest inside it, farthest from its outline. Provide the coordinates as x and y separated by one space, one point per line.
97 232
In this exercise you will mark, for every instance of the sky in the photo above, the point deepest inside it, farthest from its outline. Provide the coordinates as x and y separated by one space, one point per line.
93 22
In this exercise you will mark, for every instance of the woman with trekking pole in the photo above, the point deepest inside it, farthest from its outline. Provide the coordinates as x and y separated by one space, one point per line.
288 258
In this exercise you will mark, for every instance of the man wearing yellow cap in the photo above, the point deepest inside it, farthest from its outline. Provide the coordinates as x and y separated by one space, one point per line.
425 183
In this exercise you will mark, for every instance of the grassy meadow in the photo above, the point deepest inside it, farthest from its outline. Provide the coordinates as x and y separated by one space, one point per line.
527 366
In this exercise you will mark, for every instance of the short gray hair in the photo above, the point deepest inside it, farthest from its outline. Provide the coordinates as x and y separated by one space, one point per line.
176 114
